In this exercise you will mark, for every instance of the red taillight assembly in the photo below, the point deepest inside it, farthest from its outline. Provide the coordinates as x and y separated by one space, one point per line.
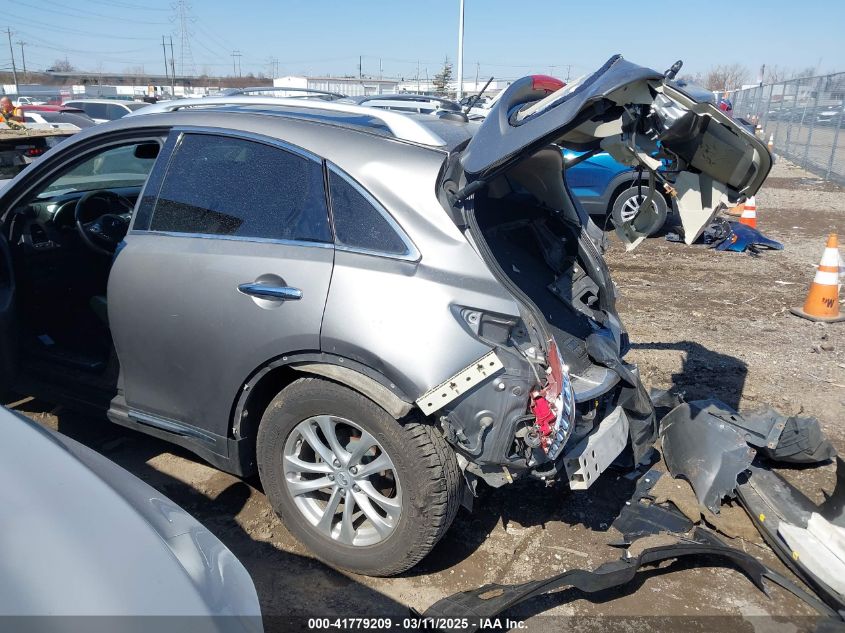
35 151
546 82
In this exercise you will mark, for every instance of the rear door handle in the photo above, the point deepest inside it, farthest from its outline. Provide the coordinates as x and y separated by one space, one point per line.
265 291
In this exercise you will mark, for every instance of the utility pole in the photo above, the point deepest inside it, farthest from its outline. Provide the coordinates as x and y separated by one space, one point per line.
568 69
236 63
172 70
477 71
460 92
418 76
360 67
12 51
166 70
23 59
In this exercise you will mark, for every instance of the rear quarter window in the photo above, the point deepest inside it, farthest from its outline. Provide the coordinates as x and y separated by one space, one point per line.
226 186
359 221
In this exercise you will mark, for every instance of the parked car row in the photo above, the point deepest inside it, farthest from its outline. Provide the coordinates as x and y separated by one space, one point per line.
827 115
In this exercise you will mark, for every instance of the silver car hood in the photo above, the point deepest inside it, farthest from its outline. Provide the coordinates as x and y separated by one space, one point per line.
633 113
81 536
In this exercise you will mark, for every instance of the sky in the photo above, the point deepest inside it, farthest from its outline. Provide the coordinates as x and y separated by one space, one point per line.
505 39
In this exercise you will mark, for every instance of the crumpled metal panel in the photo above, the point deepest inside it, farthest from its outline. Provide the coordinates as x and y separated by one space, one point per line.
706 451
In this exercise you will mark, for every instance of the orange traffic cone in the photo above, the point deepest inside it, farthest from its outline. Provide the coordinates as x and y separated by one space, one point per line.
749 213
771 143
822 302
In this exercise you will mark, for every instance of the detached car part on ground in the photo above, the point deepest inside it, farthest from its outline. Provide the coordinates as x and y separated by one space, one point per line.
721 453
371 382
83 537
478 609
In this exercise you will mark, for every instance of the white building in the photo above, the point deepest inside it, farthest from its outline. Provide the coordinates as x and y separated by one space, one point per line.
350 86
471 87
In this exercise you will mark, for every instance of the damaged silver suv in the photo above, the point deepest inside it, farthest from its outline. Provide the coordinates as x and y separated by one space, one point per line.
374 310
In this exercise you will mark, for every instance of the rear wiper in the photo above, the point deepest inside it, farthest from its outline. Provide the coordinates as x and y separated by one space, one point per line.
673 70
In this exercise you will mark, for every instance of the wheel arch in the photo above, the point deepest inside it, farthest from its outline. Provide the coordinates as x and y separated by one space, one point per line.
269 379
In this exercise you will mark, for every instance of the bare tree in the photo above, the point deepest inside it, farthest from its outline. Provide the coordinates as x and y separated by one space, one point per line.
692 78
774 75
136 73
810 71
726 77
63 66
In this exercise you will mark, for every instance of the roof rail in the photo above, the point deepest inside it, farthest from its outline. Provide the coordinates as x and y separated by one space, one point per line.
446 104
231 92
401 126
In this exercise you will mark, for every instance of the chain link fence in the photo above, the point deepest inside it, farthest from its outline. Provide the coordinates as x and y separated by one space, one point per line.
804 119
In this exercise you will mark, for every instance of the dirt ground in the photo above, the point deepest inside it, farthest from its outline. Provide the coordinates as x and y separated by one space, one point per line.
703 322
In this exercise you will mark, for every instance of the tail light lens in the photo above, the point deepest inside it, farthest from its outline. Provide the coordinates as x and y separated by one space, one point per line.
546 82
35 151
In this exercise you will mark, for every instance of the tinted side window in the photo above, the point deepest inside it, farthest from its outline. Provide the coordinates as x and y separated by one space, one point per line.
115 111
95 110
357 221
218 185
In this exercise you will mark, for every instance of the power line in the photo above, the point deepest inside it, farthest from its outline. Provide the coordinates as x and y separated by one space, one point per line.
125 5
67 30
82 13
40 43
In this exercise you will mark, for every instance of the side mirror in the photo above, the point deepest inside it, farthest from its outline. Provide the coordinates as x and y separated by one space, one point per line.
147 151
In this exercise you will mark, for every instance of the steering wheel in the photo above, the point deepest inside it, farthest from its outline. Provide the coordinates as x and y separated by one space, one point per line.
102 232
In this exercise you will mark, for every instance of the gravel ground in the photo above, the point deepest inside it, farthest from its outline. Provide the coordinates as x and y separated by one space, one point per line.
703 322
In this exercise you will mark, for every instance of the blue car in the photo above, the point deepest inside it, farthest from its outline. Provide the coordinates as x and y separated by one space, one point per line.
606 187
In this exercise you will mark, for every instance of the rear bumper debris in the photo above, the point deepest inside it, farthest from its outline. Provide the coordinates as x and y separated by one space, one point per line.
706 451
592 455
485 603
711 445
808 538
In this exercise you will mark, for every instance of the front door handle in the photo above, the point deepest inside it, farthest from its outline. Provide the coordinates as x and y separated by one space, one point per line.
266 291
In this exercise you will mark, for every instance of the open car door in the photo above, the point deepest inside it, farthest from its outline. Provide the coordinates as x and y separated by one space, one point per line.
8 325
634 114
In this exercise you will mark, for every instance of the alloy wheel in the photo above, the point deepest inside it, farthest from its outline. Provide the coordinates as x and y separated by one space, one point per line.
342 480
631 207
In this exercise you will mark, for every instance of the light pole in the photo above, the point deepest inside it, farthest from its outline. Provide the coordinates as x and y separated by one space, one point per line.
460 92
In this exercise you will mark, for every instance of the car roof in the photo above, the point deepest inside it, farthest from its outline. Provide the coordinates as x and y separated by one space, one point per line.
117 101
423 130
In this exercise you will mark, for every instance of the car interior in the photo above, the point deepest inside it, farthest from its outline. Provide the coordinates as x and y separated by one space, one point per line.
63 238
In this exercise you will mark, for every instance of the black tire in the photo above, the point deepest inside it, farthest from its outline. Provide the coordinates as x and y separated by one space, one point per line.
648 224
425 465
